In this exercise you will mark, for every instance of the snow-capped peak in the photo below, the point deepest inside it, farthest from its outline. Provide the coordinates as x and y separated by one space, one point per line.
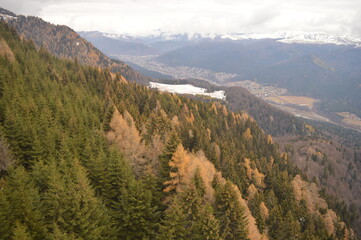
117 36
299 37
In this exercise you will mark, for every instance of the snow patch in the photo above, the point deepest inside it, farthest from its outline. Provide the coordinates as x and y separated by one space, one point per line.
187 89
6 17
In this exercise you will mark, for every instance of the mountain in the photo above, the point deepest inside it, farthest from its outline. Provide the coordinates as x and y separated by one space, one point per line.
5 14
117 45
88 155
284 37
299 38
64 42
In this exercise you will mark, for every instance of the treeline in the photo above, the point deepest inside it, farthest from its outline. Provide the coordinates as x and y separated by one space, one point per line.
87 155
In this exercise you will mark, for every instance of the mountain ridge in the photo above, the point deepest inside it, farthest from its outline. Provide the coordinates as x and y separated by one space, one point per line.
281 36
66 43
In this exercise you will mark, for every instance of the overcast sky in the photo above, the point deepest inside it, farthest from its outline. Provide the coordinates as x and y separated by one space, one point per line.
203 16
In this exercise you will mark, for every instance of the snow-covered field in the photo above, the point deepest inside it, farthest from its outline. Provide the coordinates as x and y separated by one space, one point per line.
187 89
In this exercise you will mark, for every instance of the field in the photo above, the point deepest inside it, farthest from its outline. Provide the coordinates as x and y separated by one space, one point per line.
350 119
294 100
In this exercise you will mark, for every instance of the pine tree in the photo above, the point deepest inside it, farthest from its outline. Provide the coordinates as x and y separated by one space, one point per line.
21 232
138 216
22 199
291 228
190 215
70 204
173 227
130 204
6 219
230 213
61 235
207 225
167 154
201 223
199 183
275 221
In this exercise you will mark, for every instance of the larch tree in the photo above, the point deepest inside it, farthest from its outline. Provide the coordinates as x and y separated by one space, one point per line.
178 165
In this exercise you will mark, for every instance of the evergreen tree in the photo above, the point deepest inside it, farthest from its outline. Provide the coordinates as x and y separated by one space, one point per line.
207 224
291 228
6 219
173 227
190 215
275 222
129 202
22 202
70 204
230 213
21 232
201 223
167 155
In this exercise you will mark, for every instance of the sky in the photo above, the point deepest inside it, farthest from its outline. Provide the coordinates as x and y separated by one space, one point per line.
143 17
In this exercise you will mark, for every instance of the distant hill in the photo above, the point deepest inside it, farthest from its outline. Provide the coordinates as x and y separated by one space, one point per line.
66 43
117 45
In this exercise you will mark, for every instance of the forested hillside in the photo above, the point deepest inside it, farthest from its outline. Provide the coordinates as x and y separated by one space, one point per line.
272 120
87 155
64 42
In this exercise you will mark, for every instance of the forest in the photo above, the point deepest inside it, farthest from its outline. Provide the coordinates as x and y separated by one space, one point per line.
86 154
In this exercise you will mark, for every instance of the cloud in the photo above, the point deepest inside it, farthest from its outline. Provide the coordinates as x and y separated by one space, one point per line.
204 16
355 23
24 7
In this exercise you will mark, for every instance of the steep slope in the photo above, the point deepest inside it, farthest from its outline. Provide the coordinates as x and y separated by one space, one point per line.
101 158
64 42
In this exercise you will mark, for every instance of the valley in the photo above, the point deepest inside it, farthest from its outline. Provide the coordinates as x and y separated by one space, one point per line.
178 72
299 106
